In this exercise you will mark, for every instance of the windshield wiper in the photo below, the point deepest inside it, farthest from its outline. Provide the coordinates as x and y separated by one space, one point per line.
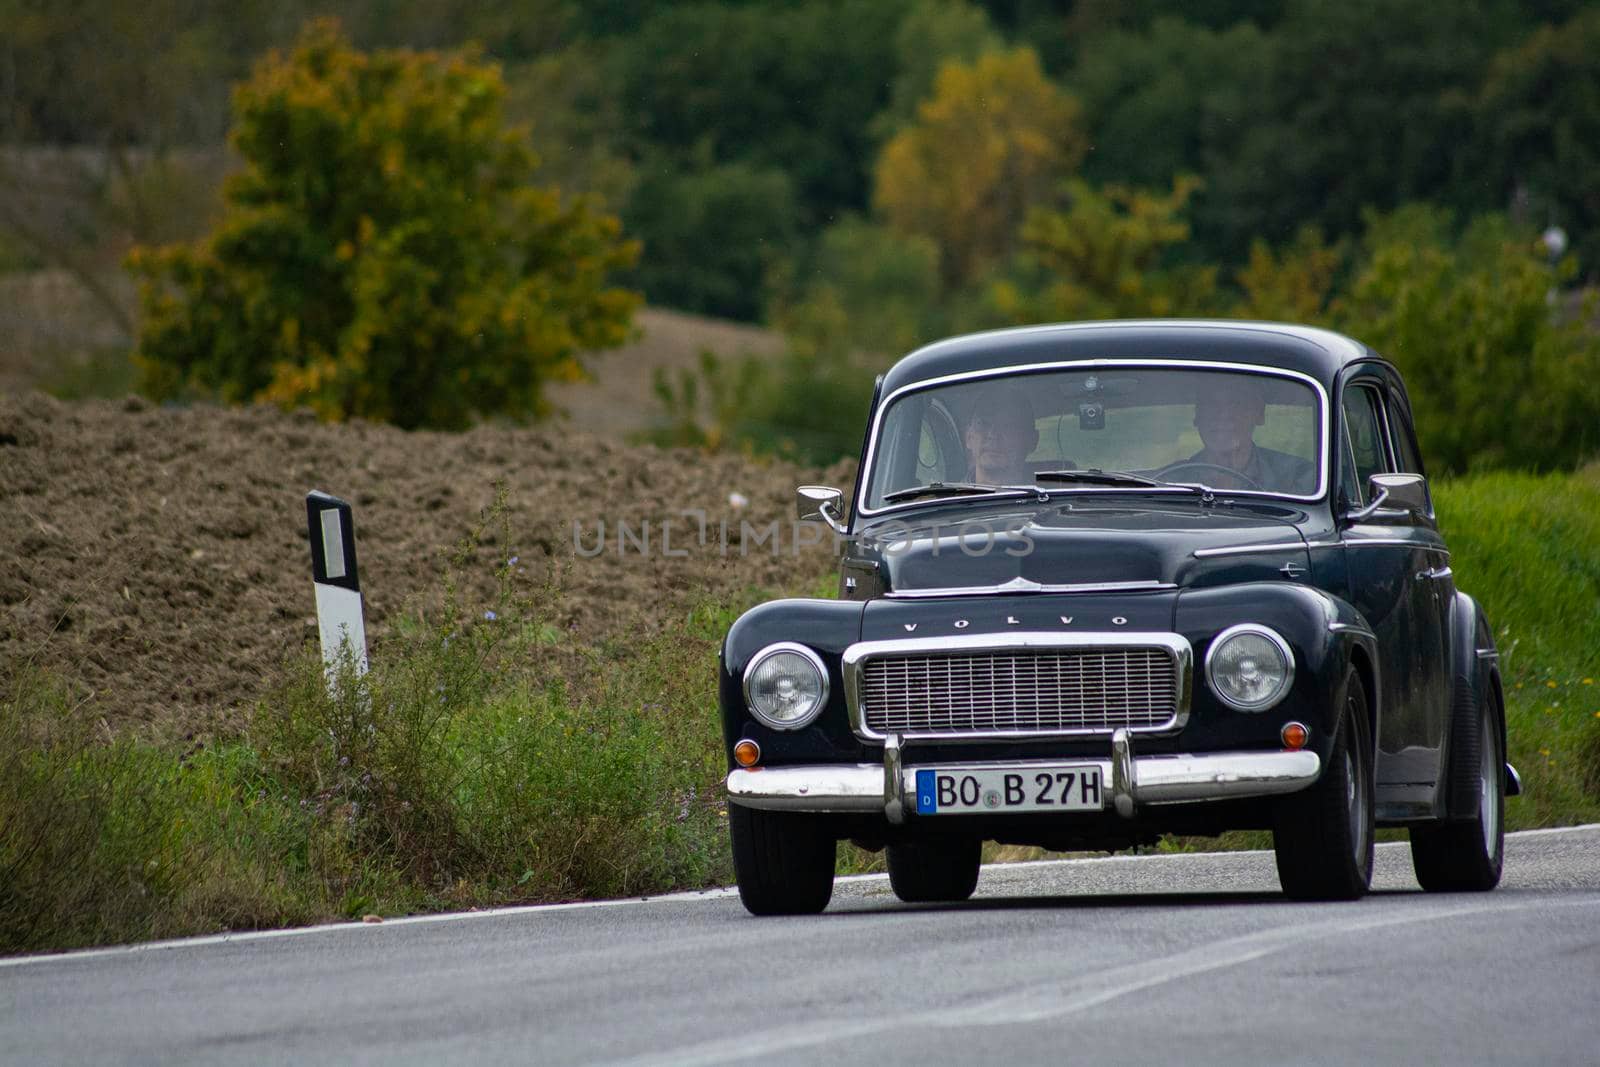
960 489
1096 476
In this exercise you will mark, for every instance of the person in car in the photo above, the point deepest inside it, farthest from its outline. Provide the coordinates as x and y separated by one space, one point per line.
1226 414
998 436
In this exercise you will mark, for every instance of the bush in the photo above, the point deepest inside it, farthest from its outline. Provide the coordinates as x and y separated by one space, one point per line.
1498 376
383 253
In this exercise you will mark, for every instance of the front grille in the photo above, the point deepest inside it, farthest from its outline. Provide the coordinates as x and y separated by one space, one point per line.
1020 691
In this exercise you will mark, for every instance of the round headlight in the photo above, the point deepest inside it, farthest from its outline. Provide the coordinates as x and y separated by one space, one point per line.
786 685
1250 667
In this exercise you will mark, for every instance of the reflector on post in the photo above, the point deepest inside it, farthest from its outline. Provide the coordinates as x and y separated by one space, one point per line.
332 532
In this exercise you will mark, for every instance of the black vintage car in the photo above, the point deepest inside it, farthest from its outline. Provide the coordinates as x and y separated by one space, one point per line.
1106 581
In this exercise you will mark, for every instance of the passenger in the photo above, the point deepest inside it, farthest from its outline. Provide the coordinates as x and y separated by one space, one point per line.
1226 414
999 435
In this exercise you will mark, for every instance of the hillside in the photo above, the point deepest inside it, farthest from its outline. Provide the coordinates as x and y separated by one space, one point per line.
157 557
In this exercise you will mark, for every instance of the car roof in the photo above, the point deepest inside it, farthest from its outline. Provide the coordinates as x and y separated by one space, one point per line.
1315 352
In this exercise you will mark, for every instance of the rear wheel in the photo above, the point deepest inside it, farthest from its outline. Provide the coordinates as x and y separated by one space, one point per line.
783 861
1467 856
925 872
1323 835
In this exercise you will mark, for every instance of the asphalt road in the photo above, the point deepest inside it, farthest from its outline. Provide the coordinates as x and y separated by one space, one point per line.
1130 959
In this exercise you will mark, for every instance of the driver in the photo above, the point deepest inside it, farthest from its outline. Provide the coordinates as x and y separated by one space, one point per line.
1226 413
998 436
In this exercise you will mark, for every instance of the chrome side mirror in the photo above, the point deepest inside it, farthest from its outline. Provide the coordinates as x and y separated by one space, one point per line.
820 503
1397 498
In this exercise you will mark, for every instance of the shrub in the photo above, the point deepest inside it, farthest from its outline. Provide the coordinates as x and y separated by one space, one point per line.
382 253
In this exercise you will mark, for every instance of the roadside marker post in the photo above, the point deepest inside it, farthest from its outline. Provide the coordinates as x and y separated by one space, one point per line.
332 533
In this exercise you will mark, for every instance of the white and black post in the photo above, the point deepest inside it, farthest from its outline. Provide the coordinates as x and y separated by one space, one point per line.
338 585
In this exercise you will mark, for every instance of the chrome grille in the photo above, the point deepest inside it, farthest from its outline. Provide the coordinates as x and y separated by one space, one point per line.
1021 691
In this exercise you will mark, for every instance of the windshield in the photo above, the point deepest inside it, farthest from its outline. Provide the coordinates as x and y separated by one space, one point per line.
1238 431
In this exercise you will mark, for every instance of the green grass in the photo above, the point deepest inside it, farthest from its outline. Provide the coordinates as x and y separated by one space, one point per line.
1528 548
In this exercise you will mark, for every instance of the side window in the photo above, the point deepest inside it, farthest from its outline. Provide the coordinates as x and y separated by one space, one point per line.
1405 447
1363 419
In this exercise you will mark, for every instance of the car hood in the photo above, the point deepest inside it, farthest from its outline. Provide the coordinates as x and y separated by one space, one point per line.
1069 543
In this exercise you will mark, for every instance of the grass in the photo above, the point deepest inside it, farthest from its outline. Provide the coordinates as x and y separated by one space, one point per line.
1528 548
482 761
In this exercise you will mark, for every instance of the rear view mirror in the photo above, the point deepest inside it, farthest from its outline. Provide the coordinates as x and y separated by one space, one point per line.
1396 498
819 503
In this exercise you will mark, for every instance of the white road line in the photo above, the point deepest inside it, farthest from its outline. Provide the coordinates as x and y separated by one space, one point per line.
534 909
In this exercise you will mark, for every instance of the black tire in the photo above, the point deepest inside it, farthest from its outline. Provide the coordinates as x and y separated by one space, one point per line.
928 872
783 861
1323 835
1466 856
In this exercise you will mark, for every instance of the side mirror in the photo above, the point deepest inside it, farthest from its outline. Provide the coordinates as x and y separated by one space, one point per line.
819 503
1396 498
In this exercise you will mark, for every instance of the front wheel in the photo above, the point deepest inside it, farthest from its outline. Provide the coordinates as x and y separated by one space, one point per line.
1323 835
1467 856
940 871
783 861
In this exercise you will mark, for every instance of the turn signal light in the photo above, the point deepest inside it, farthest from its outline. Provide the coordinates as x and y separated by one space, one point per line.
1295 735
747 753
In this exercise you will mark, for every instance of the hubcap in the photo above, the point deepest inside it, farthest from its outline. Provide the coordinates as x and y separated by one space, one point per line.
1355 799
1489 784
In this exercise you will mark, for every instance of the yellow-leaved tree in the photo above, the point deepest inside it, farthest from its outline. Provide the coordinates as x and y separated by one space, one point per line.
384 252
993 140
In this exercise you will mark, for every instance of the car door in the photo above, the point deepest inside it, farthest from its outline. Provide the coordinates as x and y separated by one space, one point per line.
1391 563
1436 590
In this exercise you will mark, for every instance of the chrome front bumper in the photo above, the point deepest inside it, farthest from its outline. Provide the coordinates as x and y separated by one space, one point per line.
890 787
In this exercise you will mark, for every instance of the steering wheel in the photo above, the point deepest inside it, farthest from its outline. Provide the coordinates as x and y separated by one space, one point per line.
1249 482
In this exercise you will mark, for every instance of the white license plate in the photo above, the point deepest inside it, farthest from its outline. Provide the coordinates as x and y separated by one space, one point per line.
987 790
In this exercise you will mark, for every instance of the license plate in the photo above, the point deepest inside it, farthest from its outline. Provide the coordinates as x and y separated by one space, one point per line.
967 790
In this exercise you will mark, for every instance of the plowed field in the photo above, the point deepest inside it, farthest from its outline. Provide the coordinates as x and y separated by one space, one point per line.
157 557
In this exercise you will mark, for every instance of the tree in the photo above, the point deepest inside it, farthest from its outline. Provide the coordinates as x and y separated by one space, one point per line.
382 253
712 235
992 141
933 33
1497 376
1104 257
1168 100
1538 118
1350 114
1293 284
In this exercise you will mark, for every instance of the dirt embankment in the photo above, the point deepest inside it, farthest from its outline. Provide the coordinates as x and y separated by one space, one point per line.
158 556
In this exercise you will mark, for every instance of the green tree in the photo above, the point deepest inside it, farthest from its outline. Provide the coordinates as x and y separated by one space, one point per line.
788 87
1351 114
712 235
1168 100
382 253
1105 255
1538 118
1498 376
993 140
881 286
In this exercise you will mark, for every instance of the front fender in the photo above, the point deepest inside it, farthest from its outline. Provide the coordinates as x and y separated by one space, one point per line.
1327 636
828 627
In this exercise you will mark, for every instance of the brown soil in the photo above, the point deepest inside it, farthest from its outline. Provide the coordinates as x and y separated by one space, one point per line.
158 558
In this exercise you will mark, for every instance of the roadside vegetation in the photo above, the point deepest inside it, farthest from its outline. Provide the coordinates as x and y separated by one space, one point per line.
1528 548
482 761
